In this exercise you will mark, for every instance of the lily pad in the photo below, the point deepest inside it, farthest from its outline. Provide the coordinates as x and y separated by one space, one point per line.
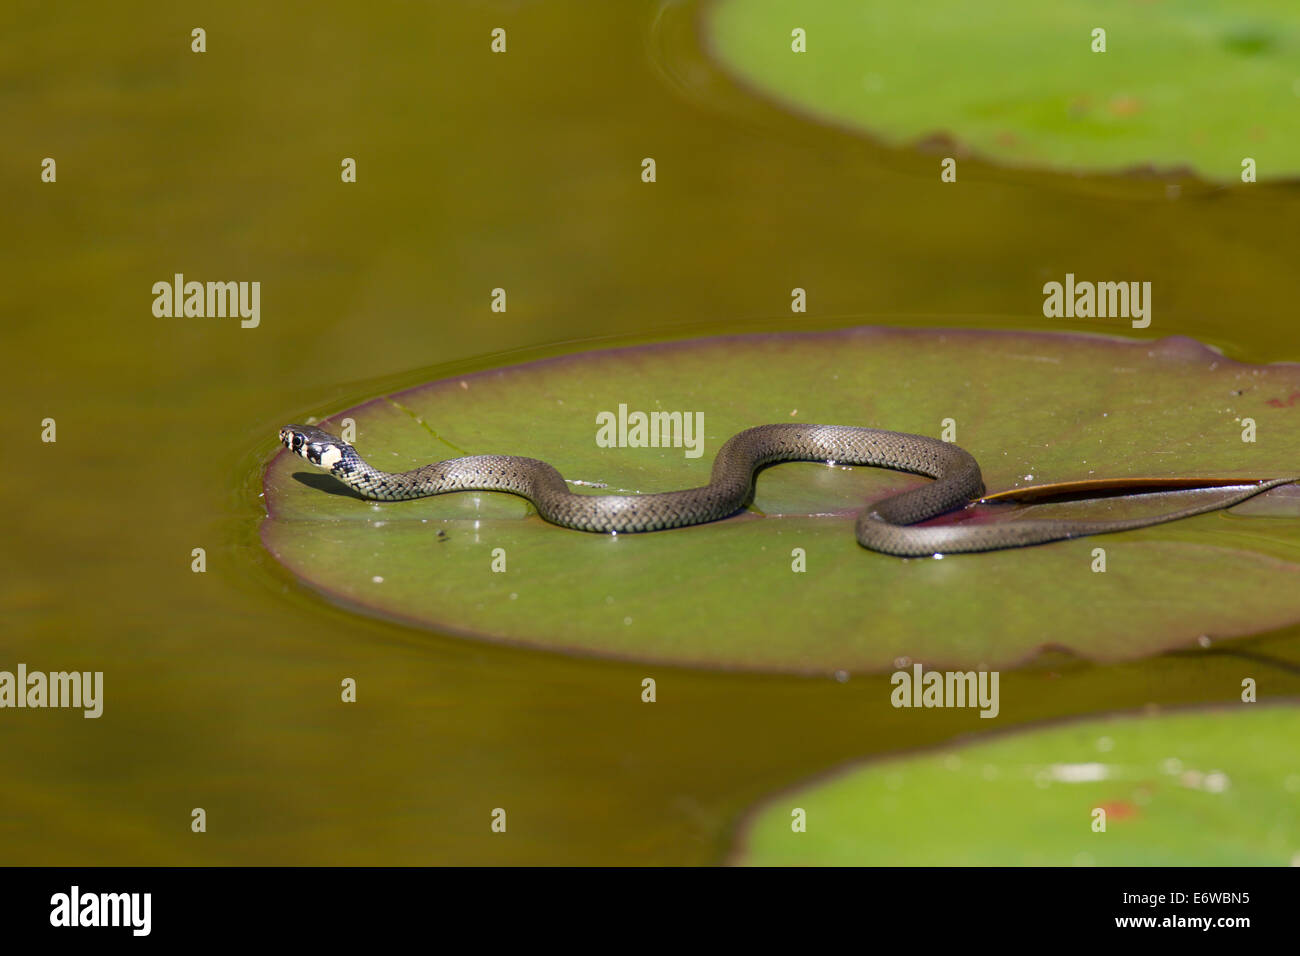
1033 409
1189 789
1180 86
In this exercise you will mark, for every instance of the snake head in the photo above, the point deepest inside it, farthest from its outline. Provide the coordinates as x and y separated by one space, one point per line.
316 445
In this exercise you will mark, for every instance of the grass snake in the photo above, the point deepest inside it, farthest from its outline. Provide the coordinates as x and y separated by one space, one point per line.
888 526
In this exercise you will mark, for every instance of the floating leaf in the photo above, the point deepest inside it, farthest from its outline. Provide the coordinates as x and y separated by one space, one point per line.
1216 788
1178 86
1034 409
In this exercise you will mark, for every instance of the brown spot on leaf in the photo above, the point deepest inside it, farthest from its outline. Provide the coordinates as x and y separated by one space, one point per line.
938 142
1124 105
1079 106
1119 810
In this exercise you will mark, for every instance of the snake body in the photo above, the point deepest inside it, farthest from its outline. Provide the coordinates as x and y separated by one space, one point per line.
885 527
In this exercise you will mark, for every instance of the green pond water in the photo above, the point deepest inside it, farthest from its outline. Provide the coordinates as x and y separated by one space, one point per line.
475 171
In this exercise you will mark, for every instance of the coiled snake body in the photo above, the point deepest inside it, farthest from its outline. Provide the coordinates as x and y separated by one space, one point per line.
884 527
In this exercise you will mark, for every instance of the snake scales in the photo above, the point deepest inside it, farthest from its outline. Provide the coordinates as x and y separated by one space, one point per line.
883 527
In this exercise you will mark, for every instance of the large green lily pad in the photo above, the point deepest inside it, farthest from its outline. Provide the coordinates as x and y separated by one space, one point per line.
1208 788
1033 408
1197 85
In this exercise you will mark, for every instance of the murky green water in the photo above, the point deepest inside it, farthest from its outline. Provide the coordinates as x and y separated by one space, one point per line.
475 171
